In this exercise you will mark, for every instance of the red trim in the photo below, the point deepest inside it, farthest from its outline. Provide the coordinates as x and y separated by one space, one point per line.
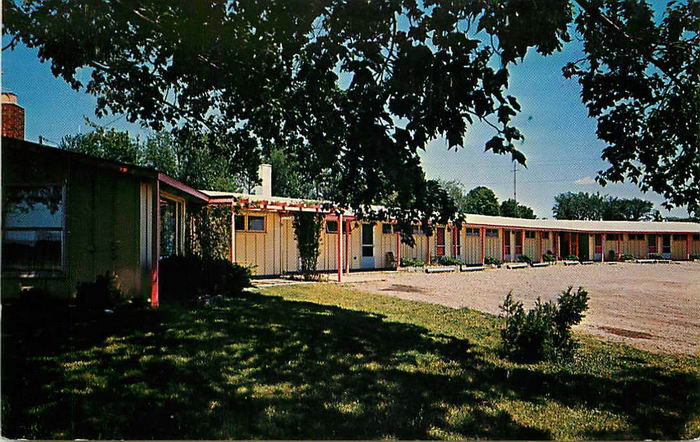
482 235
156 245
172 182
339 250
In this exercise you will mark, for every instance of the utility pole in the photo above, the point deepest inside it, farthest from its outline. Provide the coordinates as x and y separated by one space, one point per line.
515 181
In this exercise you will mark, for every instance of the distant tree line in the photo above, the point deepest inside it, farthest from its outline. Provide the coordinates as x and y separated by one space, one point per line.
483 201
585 206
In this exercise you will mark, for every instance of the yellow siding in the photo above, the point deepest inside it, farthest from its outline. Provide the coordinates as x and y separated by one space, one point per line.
494 247
678 248
636 248
695 248
530 247
471 249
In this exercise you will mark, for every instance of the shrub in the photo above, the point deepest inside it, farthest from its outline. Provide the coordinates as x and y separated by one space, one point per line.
549 257
448 261
695 256
626 257
490 260
187 277
572 257
103 293
543 333
307 230
525 258
411 262
655 256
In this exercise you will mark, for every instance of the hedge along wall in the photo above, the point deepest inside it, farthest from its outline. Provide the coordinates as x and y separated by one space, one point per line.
208 232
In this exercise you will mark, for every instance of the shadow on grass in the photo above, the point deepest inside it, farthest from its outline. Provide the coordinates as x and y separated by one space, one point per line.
264 367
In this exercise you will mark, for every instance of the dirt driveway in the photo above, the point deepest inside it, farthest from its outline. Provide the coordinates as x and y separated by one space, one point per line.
651 306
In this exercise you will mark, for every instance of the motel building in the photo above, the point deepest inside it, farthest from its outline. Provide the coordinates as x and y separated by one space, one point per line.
68 217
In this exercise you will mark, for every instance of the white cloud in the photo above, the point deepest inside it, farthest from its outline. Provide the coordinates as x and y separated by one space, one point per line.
585 181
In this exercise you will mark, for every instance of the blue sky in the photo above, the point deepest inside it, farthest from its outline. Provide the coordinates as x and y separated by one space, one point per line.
562 149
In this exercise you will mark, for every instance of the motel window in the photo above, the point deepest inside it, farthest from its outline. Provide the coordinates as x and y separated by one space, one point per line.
679 237
492 233
529 234
472 232
387 228
611 237
332 226
32 233
696 237
256 223
636 237
240 222
545 235
171 213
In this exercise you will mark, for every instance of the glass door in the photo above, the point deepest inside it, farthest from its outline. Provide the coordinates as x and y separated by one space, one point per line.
367 246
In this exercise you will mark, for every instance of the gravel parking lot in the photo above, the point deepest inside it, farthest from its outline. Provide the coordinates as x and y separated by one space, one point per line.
651 306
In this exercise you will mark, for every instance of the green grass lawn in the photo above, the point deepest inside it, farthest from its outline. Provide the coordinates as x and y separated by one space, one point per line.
324 362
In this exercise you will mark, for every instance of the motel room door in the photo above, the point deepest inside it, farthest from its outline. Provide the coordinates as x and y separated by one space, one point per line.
651 244
518 244
598 244
367 246
666 246
506 245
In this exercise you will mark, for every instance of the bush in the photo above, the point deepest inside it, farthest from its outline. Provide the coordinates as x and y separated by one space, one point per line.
490 260
411 262
525 258
103 293
543 333
549 257
188 277
572 257
655 256
448 261
626 257
695 256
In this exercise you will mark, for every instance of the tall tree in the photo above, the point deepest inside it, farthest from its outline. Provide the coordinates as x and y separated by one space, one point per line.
455 190
253 72
482 201
626 209
187 160
580 206
513 209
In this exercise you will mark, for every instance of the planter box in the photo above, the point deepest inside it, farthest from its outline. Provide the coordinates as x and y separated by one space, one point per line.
541 264
646 261
412 269
664 261
471 268
517 266
442 269
571 263
587 263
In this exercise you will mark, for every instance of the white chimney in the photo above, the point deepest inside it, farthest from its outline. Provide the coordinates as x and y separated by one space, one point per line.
265 174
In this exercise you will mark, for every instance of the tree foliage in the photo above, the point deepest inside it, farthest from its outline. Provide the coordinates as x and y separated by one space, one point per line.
585 206
513 209
189 160
307 230
482 201
358 88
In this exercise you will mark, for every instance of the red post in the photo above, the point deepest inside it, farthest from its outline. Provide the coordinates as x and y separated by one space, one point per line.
602 247
482 234
687 247
339 253
503 245
156 244
347 247
541 247
233 234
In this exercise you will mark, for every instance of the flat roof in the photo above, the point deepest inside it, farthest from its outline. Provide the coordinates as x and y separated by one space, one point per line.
497 221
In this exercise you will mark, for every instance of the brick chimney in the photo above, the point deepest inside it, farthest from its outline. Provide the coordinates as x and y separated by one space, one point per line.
12 116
